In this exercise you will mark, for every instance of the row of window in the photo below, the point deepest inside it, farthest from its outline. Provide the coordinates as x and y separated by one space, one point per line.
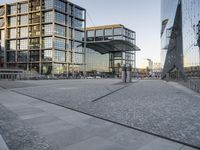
48 17
47 55
23 8
63 19
48 4
116 37
35 31
110 32
46 43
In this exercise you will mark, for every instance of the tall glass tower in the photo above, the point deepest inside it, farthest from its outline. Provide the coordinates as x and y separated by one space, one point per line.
180 38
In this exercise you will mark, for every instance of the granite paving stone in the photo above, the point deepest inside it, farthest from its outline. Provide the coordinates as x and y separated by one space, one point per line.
95 143
154 106
18 135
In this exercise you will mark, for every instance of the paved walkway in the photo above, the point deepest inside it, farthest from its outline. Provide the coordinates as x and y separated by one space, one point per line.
64 129
165 109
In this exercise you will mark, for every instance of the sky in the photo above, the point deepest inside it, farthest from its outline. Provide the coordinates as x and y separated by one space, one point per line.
142 16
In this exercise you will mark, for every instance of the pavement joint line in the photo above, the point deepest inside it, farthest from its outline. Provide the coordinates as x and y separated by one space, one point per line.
99 98
121 124
127 85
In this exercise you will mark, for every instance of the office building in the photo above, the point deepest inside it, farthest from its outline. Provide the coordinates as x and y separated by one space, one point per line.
43 36
180 38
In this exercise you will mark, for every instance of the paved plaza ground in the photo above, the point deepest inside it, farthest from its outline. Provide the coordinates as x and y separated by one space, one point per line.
143 115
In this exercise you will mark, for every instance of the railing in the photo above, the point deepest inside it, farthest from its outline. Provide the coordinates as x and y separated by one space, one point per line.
10 74
193 84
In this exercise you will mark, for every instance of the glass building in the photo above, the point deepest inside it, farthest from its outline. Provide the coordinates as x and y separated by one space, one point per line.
108 47
180 38
42 35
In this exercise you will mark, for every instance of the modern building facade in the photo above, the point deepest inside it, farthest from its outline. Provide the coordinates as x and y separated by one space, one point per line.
180 38
43 35
108 47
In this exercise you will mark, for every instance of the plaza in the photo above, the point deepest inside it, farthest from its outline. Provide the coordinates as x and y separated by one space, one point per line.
99 114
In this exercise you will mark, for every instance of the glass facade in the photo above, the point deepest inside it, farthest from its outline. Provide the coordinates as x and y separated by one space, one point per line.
23 20
180 55
23 8
97 62
48 4
60 30
113 60
48 29
47 38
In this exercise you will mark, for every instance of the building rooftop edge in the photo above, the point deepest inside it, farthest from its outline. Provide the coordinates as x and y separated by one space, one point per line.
22 1
104 27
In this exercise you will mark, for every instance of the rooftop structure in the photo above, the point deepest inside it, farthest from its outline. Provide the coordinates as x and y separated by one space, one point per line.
115 44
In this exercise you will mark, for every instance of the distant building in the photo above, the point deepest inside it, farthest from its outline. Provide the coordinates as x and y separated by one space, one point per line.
180 36
42 35
157 69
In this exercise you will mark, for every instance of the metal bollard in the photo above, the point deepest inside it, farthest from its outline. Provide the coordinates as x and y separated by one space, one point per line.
124 73
129 73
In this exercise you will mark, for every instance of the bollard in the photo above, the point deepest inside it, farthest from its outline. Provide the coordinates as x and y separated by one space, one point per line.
129 73
124 73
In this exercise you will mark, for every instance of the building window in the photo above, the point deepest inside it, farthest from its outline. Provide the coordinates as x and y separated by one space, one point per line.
13 10
70 9
108 32
34 56
2 22
59 5
34 43
79 13
12 33
11 56
59 43
48 29
34 30
12 21
118 38
78 58
2 11
23 20
48 4
23 44
22 56
47 55
117 31
23 32
47 42
23 8
59 56
70 22
59 18
48 16
78 24
78 47
78 35
90 33
60 30
99 33
12 45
